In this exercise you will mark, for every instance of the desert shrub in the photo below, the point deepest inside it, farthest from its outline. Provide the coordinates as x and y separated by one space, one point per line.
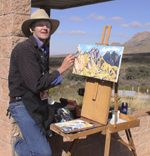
122 87
131 73
137 73
143 89
144 72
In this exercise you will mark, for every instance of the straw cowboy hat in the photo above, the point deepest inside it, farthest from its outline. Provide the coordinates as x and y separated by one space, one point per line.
39 14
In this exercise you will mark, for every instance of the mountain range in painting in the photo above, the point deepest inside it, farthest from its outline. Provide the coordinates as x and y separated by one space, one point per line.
96 63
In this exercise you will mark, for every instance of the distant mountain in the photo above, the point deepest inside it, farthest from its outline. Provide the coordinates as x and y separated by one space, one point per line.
139 39
116 44
139 43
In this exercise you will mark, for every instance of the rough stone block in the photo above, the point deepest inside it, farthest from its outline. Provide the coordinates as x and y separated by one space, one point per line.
0 48
6 50
6 25
121 133
3 109
17 6
144 123
141 150
124 138
4 68
11 42
141 113
5 133
1 7
148 148
11 25
16 40
21 7
17 23
149 122
136 139
5 149
135 129
0 87
6 6
5 90
144 136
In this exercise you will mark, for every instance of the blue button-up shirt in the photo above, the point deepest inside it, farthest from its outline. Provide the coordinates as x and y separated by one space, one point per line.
59 78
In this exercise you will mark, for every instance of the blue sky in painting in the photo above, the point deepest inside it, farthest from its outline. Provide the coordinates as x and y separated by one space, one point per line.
103 49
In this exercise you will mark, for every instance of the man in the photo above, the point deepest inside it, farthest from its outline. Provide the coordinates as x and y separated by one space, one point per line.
29 78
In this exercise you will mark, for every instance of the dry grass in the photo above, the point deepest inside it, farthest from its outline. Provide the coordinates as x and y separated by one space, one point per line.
69 91
134 103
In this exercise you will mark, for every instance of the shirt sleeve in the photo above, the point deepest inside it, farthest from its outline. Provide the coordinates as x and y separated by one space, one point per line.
57 81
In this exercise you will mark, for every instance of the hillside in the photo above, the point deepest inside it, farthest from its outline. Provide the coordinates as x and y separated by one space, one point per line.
139 43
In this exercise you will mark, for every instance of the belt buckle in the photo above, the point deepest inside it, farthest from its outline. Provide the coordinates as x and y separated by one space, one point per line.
18 98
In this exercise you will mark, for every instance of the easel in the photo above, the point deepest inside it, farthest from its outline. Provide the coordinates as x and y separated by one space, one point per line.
103 35
95 109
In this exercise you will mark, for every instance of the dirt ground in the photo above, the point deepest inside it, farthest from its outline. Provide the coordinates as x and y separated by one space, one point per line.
143 96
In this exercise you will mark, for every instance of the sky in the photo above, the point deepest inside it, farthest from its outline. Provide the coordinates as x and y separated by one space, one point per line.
84 25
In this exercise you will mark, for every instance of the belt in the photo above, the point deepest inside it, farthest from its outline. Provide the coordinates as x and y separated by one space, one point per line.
15 99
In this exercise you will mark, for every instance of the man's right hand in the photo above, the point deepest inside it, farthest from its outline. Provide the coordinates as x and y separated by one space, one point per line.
67 64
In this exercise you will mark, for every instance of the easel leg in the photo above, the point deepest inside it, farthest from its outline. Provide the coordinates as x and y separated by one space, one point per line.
72 147
107 143
130 140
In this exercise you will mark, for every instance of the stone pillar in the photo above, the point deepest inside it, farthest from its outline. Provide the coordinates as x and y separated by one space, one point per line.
12 14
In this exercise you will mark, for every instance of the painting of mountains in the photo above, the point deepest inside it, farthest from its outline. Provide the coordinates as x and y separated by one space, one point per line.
101 62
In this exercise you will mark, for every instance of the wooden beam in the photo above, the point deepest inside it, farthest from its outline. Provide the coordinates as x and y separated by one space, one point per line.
107 143
64 4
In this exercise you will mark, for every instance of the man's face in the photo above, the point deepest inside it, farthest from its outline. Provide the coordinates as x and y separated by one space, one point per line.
41 29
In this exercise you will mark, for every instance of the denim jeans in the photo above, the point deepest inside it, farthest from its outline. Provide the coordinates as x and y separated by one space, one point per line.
34 143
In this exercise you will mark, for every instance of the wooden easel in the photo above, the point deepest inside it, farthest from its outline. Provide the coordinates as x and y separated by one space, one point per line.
95 109
103 35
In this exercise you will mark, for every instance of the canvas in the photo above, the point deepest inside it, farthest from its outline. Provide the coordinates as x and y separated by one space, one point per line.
101 62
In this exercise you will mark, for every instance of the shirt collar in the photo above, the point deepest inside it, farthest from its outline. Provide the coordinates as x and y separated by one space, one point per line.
39 44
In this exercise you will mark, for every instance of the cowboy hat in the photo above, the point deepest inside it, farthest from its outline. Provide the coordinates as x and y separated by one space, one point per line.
39 14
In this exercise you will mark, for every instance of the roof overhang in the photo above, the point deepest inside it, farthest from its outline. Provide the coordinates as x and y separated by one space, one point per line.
63 4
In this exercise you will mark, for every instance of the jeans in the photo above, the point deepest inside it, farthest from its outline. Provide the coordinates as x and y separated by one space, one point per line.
34 143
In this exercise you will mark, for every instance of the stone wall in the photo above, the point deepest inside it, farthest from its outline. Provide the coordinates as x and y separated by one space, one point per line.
93 145
12 14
